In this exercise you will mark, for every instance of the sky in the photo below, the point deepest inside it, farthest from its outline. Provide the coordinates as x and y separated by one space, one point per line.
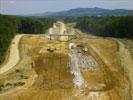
20 7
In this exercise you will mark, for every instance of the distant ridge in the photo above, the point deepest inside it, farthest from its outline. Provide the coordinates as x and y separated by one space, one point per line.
87 12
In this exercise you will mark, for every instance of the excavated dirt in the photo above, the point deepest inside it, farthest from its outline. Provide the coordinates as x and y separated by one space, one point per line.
50 70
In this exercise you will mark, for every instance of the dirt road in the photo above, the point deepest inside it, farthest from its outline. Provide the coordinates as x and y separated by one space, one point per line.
127 62
14 56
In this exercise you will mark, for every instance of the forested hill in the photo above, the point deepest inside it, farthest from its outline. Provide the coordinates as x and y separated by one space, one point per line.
12 25
121 27
88 12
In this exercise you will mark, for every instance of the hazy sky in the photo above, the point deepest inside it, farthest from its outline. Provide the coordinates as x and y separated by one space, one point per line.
41 6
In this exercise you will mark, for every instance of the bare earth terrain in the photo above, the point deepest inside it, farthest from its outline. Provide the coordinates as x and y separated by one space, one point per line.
67 64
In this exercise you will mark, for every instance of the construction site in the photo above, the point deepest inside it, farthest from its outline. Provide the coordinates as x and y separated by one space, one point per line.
67 64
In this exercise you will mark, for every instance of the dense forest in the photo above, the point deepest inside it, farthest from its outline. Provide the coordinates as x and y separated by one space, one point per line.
121 27
12 25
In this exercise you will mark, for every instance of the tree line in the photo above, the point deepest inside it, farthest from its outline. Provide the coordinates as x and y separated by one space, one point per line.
121 27
12 25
